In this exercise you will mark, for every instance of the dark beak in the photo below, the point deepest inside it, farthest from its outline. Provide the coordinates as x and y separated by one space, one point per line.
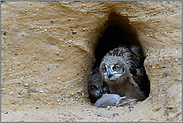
101 91
109 74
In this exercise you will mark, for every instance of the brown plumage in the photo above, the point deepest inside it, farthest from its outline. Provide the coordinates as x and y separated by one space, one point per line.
96 86
122 68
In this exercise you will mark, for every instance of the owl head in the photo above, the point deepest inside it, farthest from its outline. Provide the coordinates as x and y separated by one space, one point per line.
96 86
112 68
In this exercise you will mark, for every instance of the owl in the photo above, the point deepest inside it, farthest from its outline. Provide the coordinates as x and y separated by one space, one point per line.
123 71
96 86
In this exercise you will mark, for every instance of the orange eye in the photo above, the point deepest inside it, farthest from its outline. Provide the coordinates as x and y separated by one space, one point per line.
94 87
115 68
104 69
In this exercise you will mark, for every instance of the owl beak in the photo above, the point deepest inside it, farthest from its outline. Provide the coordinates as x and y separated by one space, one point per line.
101 91
109 74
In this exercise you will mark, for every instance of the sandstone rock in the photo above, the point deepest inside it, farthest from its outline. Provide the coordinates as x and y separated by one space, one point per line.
44 41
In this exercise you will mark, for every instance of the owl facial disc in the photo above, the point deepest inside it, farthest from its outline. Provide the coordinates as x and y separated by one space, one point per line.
112 72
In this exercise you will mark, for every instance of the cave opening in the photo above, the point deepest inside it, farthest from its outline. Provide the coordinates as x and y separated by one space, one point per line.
118 32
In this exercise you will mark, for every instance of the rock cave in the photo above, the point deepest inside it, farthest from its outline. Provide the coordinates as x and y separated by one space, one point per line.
115 36
48 50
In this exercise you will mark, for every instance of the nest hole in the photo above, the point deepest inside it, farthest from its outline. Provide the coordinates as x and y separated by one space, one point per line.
117 32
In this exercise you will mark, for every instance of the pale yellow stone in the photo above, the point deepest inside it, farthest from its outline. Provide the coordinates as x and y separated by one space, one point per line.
47 29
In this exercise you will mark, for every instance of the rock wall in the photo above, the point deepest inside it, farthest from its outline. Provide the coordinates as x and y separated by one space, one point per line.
48 51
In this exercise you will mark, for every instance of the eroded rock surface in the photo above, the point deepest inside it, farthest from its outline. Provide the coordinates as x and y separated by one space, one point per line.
48 49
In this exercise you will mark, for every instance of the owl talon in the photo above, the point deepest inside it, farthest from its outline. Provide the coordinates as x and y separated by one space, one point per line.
125 102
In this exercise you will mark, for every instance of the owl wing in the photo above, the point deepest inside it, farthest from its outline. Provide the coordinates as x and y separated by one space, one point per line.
136 67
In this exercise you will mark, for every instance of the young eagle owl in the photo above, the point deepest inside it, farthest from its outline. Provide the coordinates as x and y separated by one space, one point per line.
122 68
96 86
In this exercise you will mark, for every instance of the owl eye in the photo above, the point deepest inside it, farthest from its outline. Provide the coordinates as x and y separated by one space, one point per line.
115 67
94 87
104 69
